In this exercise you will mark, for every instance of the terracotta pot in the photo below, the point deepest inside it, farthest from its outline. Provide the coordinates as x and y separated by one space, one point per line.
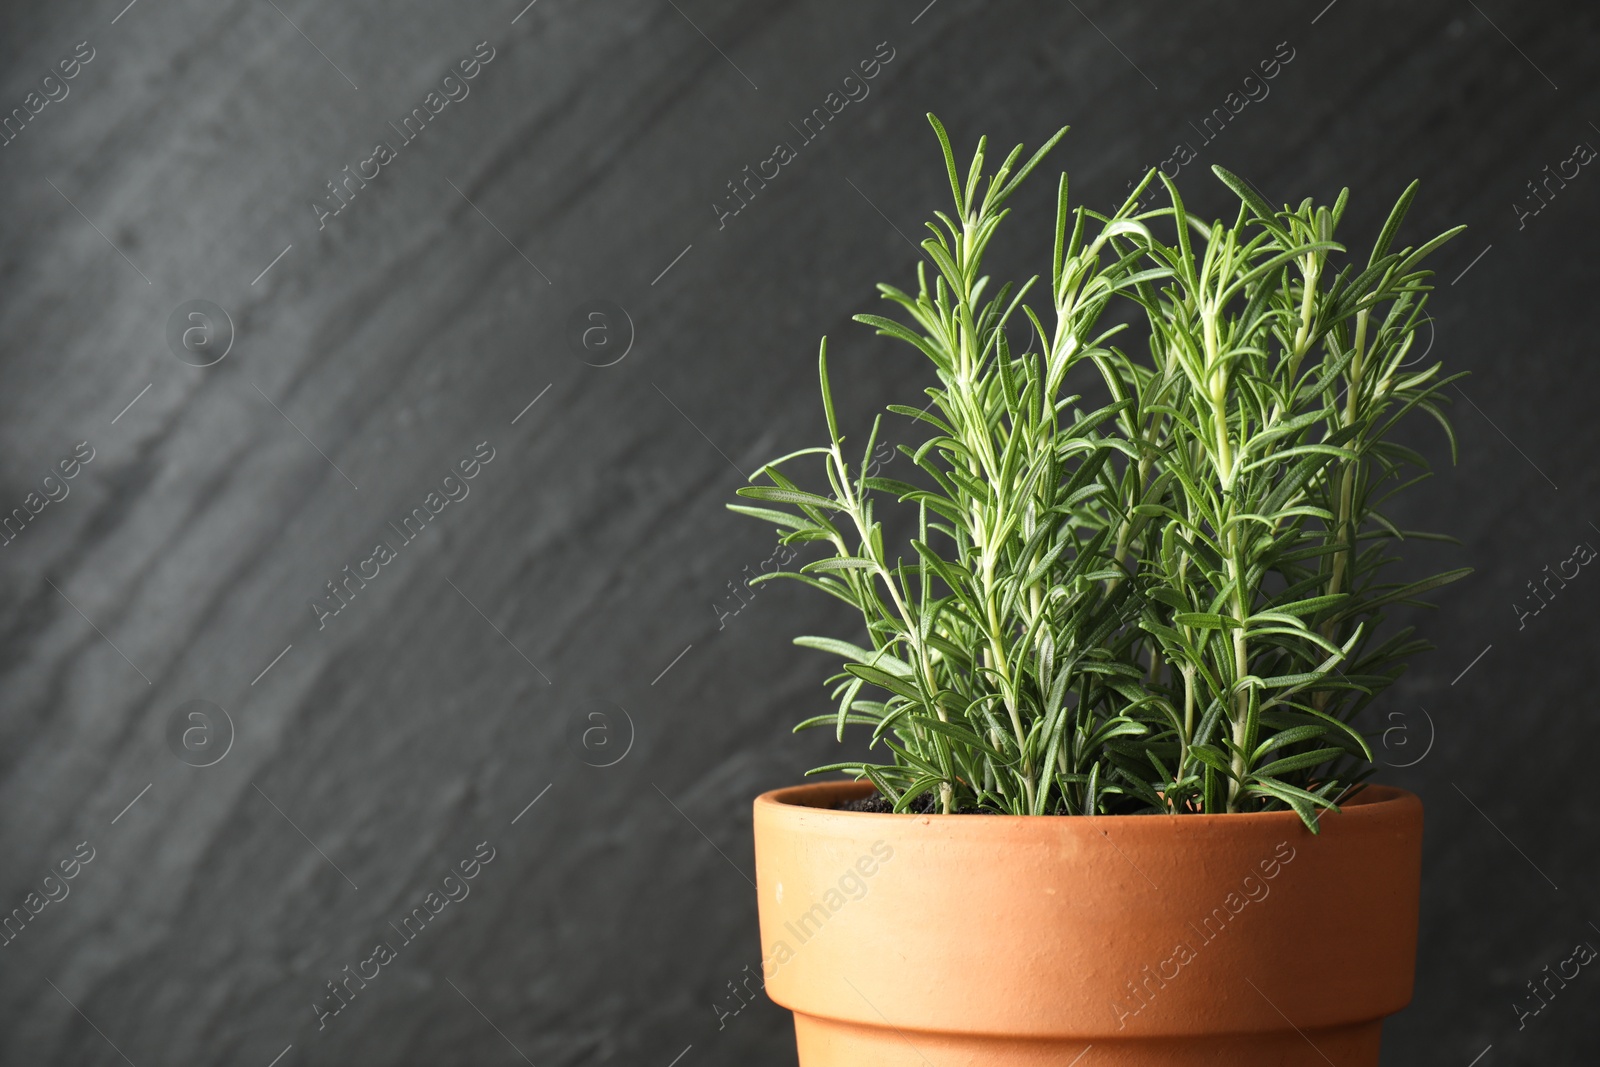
1003 941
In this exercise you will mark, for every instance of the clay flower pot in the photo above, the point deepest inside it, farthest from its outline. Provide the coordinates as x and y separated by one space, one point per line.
1003 941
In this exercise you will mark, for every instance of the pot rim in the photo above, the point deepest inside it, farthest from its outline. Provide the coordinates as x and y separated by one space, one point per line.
818 798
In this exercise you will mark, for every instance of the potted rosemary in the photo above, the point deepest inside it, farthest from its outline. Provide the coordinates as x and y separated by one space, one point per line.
1134 630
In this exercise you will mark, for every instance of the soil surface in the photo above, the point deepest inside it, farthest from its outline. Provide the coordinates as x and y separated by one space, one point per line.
926 804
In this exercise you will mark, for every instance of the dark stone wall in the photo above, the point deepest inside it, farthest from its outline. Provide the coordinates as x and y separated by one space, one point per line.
574 607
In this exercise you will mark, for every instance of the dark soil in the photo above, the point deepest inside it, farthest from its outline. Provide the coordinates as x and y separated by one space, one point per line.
926 804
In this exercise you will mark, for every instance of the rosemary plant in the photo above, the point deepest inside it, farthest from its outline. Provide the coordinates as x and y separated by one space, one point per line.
1167 600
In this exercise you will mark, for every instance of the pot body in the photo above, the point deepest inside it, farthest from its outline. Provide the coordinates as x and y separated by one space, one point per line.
1006 941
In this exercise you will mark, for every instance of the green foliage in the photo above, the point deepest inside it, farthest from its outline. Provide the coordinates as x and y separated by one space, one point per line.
1167 600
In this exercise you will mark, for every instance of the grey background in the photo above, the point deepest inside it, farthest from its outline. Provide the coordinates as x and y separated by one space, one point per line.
594 549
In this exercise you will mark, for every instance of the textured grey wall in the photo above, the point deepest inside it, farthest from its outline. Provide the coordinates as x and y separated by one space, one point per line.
587 570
